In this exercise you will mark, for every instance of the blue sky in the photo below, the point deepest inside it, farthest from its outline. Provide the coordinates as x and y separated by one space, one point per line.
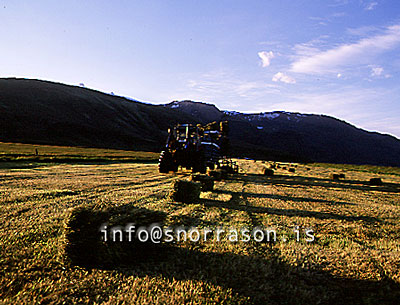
335 57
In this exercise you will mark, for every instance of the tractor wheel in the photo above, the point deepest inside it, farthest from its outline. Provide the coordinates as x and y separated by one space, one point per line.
174 167
200 165
203 169
166 163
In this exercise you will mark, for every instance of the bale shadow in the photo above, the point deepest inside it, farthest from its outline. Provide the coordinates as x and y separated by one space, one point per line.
234 204
284 212
267 280
312 181
283 197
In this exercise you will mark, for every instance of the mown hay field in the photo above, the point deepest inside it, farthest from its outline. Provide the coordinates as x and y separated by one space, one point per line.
50 153
354 259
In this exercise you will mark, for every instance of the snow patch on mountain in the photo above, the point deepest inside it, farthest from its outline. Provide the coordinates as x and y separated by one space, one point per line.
227 112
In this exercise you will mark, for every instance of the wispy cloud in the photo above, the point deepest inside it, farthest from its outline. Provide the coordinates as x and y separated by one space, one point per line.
266 57
282 77
339 3
224 83
376 71
226 89
347 54
333 102
363 30
327 19
370 6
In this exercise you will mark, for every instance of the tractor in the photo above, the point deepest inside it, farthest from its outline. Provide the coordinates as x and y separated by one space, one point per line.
194 147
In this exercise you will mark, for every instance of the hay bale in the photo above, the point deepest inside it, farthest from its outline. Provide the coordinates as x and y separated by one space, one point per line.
84 241
186 191
268 172
375 181
215 174
292 170
334 176
207 183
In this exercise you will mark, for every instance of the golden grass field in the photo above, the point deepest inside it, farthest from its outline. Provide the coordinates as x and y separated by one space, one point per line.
47 153
355 258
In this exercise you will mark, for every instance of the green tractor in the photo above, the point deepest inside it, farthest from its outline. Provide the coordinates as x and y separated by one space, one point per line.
194 147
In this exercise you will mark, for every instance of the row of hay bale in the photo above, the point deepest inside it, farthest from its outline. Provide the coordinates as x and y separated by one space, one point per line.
372 181
188 191
282 166
334 176
270 171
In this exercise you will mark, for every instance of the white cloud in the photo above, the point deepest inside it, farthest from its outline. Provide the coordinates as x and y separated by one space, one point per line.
283 78
347 54
266 57
370 6
339 75
377 71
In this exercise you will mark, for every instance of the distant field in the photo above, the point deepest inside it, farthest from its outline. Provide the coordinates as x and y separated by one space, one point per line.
47 153
363 168
355 258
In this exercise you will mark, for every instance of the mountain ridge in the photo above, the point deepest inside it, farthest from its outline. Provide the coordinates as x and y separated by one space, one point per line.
42 112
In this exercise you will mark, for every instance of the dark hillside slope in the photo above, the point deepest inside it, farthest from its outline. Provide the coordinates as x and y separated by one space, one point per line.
33 111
